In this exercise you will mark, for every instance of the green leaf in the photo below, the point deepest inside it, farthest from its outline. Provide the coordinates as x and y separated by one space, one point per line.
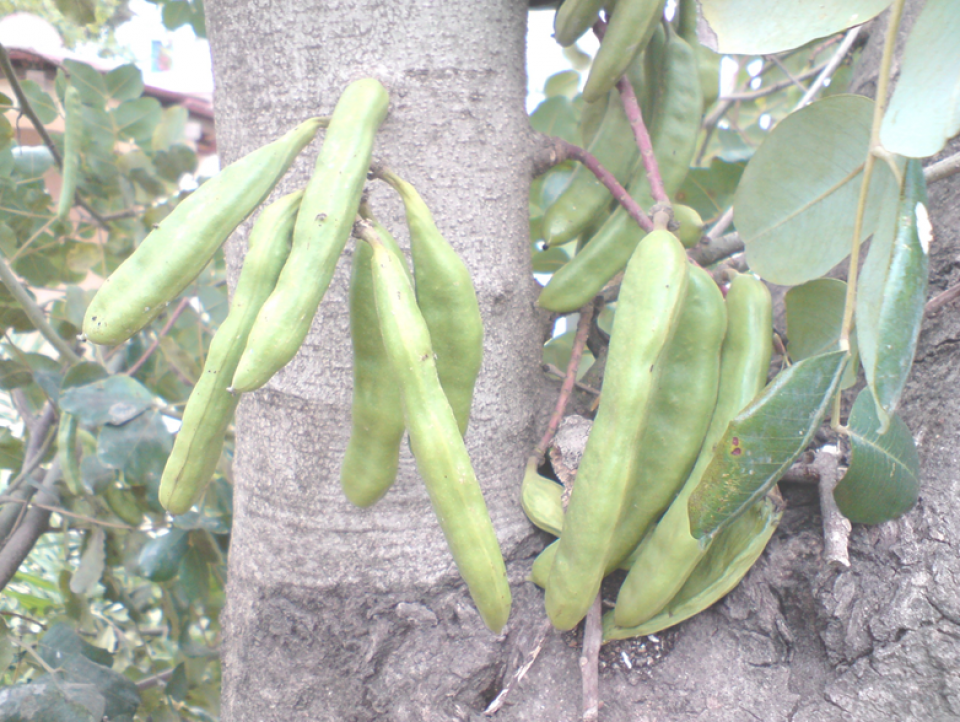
194 576
14 374
96 477
760 27
7 651
173 163
93 89
556 116
40 101
924 111
114 400
124 82
11 450
883 480
82 374
62 649
710 191
6 132
795 206
98 130
139 448
176 13
729 558
46 701
177 685
549 260
565 83
32 161
79 12
138 118
46 372
170 128
893 291
161 556
762 442
91 566
814 320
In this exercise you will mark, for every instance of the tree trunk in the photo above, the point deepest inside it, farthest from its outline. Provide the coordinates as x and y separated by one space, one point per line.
340 614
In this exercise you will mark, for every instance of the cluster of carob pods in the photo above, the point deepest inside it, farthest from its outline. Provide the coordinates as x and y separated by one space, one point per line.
682 360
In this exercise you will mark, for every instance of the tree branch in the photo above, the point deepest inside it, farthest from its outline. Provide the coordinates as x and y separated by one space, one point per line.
579 343
35 522
942 169
711 250
35 314
590 662
184 302
831 65
28 111
836 527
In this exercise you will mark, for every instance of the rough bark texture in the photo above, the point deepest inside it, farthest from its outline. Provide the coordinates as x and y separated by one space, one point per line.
341 614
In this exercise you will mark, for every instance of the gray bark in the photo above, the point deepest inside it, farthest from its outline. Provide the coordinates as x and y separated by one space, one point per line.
340 614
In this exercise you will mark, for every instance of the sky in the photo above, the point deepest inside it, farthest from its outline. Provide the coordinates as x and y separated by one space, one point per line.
190 68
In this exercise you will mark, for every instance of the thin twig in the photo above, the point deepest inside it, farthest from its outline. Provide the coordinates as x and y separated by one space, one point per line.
35 313
722 224
632 108
831 65
836 527
35 522
620 194
749 95
554 371
579 343
27 109
942 169
24 617
155 681
709 251
590 661
786 71
942 299
184 302
63 512
521 672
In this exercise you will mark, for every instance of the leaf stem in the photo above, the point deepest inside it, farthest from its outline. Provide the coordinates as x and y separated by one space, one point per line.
35 313
883 81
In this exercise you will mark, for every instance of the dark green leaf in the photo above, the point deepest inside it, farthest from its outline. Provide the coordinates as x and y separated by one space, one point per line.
137 119
91 563
556 116
82 374
173 163
11 450
61 648
124 83
893 291
95 476
161 556
46 372
40 101
113 400
99 133
139 448
44 700
37 269
79 12
549 260
924 111
797 198
759 27
763 440
32 161
177 686
710 190
14 374
93 90
564 83
176 13
194 576
814 320
883 480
